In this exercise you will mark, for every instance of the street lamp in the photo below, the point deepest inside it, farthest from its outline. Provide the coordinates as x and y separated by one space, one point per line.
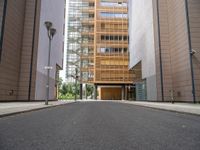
76 77
51 32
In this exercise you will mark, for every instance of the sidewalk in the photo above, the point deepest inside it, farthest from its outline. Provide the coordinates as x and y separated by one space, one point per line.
176 107
7 109
188 108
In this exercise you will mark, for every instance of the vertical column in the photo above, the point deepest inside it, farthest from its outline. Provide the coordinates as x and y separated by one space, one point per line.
95 91
123 92
95 38
86 91
76 77
81 91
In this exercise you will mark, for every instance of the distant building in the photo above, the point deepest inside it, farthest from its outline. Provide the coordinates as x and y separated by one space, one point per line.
24 48
98 47
165 46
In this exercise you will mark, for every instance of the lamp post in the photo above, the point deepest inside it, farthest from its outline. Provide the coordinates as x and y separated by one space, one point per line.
76 80
51 32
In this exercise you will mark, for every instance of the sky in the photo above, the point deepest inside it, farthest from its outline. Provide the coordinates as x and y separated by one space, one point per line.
62 72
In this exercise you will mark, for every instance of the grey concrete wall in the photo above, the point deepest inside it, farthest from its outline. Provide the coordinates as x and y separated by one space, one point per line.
141 34
142 44
17 48
165 49
151 88
1 14
53 11
179 51
11 50
26 54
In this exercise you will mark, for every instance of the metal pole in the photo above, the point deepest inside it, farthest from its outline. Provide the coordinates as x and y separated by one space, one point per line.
190 50
48 73
76 85
81 91
86 91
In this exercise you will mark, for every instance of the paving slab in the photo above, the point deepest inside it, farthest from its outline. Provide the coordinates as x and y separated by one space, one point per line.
188 108
176 107
7 109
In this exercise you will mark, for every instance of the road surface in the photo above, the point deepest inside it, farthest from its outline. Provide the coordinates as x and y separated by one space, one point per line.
100 126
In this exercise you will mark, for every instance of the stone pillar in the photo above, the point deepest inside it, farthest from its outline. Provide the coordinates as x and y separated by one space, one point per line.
123 92
95 91
85 91
81 91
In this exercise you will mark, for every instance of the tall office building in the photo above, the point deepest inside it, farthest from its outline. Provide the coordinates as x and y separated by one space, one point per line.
98 47
24 48
165 45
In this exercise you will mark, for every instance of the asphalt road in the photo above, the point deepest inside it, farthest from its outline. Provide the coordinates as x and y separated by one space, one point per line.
100 126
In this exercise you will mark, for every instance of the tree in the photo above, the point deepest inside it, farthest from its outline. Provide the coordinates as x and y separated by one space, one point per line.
64 89
60 82
70 88
89 90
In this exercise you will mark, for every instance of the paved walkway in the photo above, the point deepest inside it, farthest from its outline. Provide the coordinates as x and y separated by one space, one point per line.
7 109
189 108
177 107
11 108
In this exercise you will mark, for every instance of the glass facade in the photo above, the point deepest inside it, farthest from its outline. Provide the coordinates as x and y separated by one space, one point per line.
112 15
98 41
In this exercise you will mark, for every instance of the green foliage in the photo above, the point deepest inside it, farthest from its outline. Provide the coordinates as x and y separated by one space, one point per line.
68 91
60 81
64 89
90 89
67 97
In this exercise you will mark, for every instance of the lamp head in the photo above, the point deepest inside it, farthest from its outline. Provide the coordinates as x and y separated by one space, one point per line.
48 25
52 32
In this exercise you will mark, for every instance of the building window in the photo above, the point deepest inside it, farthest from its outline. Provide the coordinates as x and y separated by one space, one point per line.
102 26
116 38
111 38
3 4
125 38
125 50
91 15
102 37
91 5
112 50
113 15
113 4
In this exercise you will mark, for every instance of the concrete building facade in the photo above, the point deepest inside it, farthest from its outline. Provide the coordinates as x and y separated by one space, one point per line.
165 44
24 48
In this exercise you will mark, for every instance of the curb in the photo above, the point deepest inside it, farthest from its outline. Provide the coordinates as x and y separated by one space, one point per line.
32 110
